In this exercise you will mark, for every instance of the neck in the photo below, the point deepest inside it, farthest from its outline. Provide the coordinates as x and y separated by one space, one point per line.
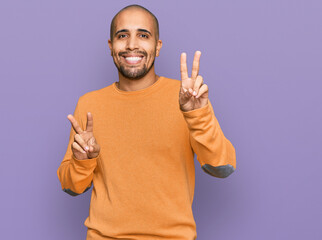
127 84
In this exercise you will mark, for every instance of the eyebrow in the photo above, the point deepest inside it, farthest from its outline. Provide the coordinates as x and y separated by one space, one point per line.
139 30
144 30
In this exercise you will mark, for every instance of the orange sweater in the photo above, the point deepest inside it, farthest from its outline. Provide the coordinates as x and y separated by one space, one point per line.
144 177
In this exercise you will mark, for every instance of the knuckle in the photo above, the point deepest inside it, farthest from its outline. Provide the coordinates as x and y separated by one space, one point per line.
76 136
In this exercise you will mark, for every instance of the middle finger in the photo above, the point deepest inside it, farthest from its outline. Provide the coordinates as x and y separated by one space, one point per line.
195 65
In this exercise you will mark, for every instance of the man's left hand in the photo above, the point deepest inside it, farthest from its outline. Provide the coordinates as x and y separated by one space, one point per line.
193 92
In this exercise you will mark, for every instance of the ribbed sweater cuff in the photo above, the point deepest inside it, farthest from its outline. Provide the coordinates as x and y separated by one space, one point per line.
85 163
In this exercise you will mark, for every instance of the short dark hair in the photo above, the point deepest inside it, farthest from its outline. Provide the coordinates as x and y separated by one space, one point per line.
112 26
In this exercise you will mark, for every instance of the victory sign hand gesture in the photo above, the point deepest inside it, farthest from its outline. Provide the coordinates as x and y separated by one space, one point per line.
193 92
84 145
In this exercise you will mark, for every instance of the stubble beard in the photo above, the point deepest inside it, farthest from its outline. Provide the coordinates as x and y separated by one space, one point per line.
134 74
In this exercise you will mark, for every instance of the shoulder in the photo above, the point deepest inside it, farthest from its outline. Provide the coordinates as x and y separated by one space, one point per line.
171 80
91 100
173 83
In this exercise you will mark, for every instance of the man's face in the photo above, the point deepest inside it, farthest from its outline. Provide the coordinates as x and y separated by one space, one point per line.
134 45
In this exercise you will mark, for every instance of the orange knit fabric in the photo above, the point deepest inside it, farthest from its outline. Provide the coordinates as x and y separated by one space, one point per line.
144 177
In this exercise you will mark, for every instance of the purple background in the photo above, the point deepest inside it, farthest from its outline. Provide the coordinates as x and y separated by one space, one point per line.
262 61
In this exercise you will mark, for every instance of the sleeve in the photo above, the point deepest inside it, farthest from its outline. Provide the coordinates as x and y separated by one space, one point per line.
76 175
215 152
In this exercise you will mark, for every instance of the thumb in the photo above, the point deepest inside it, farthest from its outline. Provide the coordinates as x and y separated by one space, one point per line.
93 146
91 141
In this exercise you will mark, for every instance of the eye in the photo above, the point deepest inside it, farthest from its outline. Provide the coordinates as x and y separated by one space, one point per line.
144 35
121 36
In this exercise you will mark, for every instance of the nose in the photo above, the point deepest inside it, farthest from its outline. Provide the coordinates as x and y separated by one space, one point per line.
132 43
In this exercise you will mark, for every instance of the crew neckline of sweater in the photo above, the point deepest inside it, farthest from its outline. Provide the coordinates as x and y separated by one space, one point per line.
141 91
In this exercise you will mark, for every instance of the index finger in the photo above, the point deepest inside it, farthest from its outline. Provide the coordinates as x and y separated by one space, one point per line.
74 123
195 65
183 66
89 125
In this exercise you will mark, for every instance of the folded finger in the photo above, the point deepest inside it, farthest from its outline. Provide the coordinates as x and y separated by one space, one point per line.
80 141
76 147
203 89
94 148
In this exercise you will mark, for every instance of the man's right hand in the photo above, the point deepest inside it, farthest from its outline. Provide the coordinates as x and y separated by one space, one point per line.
84 145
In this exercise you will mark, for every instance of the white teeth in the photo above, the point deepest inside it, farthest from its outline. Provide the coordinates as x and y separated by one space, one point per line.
133 59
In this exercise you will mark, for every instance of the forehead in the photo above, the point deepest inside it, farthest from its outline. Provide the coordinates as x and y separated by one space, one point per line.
133 19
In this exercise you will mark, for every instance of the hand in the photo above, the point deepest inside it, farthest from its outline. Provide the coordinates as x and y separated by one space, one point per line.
84 145
193 93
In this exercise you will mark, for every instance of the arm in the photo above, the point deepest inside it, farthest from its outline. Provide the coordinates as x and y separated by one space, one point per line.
214 151
76 175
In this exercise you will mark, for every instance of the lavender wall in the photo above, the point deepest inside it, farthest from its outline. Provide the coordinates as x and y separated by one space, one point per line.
262 63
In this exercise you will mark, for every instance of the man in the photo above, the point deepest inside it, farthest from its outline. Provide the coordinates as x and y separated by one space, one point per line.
139 153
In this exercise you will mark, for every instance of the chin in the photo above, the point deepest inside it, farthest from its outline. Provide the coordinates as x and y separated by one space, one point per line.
136 74
133 76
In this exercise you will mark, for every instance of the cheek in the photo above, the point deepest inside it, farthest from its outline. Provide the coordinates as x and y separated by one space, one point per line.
116 55
152 54
151 51
117 48
148 46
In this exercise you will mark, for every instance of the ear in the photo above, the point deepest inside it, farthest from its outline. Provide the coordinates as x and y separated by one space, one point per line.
110 45
159 46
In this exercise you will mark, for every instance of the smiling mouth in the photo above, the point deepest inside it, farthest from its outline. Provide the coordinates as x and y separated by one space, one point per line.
133 59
